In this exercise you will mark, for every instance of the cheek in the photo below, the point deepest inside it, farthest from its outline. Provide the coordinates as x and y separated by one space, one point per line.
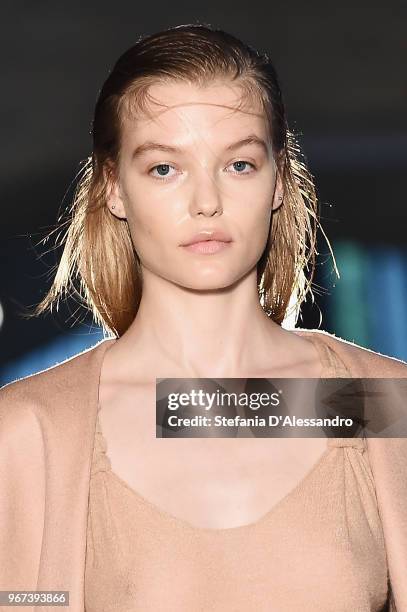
143 214
145 225
153 217
255 212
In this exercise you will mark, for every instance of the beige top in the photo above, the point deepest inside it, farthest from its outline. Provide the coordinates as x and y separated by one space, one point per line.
320 548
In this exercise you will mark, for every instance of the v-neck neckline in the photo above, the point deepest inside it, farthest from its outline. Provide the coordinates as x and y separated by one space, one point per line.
214 531
330 365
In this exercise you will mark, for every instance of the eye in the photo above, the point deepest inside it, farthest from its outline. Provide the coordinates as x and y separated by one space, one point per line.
240 165
162 170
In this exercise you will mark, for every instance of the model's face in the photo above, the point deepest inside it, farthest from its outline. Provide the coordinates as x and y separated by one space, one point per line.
182 171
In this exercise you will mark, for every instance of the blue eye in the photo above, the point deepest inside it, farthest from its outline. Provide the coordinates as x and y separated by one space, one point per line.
162 170
240 166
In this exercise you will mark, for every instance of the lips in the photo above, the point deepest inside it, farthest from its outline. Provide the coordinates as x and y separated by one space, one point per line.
204 236
207 247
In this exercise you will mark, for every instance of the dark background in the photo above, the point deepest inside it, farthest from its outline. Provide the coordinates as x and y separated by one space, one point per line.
342 71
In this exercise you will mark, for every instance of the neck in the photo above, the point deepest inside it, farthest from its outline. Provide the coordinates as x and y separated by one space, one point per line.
191 333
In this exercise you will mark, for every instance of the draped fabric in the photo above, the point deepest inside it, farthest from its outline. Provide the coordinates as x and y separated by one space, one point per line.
47 435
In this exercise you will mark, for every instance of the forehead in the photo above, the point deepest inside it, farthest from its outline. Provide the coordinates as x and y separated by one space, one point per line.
180 111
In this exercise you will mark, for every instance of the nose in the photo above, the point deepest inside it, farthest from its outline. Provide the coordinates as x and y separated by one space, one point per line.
206 197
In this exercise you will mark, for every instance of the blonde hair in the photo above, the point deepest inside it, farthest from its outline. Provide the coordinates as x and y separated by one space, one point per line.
99 254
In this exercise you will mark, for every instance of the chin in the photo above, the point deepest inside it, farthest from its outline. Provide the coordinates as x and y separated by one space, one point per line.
215 283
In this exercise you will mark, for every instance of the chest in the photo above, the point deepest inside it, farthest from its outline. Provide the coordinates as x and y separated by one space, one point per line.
209 482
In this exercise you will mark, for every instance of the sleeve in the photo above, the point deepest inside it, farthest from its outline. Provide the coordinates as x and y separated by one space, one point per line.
388 460
22 493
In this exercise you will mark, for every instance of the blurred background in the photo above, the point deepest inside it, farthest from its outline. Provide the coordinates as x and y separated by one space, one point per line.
342 71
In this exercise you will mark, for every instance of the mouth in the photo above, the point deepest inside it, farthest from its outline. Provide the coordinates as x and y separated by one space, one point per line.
207 247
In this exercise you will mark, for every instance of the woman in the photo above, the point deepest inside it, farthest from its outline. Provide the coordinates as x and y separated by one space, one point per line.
192 231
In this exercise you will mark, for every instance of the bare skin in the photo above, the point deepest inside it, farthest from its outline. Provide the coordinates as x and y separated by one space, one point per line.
199 314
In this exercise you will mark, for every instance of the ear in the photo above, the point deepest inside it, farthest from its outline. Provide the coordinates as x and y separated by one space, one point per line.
114 200
278 192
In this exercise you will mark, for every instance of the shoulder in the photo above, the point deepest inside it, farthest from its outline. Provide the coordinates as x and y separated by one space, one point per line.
61 383
360 361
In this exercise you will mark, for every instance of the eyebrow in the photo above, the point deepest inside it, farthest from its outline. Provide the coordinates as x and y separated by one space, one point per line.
148 146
